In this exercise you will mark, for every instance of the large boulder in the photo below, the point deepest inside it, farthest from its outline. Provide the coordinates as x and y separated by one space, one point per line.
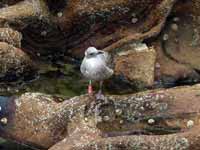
82 122
14 63
136 65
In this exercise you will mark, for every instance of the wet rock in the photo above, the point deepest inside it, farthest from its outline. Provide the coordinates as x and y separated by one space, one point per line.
192 7
186 49
59 14
45 121
4 121
23 11
14 62
179 140
11 37
165 37
83 23
108 11
134 20
190 123
174 27
170 72
176 19
136 65
151 121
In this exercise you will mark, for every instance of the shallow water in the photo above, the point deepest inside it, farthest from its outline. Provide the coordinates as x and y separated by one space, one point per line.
7 145
66 82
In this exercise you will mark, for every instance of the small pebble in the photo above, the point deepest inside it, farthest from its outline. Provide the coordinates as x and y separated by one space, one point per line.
8 89
165 37
36 129
190 123
106 118
151 121
4 121
64 140
86 119
134 20
38 54
118 112
121 121
174 27
176 19
43 33
142 108
59 14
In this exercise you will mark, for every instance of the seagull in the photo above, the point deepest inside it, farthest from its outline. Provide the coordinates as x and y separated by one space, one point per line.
94 67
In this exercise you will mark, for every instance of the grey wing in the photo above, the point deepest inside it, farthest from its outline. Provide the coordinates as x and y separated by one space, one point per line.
103 73
110 71
83 67
107 58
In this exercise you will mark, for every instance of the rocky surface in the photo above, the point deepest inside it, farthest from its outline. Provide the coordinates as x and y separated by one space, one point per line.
177 47
11 37
136 64
184 48
14 63
58 32
83 123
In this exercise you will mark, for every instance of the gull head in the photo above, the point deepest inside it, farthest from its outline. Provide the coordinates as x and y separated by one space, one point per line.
92 52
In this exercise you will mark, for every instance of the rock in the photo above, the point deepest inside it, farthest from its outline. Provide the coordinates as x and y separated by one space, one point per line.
74 11
190 123
186 49
11 37
165 37
119 35
170 71
4 121
14 62
82 23
23 11
192 7
45 121
43 33
176 19
59 14
136 65
151 121
134 20
174 27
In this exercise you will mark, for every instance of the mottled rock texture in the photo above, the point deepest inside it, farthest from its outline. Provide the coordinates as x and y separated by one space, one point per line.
136 64
14 62
83 123
61 28
158 119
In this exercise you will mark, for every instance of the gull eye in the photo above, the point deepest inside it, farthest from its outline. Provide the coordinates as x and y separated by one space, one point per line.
100 52
91 54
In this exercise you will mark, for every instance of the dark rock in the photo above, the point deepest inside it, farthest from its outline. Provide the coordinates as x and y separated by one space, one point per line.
14 63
